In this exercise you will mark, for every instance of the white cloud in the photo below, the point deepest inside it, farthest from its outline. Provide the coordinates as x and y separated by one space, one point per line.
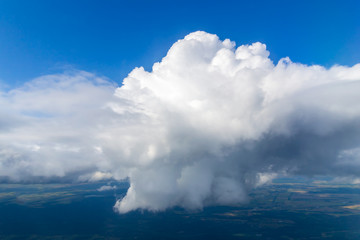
206 124
106 188
95 176
51 124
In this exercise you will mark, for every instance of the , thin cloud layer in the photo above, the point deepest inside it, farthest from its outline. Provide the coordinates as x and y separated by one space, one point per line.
209 122
48 127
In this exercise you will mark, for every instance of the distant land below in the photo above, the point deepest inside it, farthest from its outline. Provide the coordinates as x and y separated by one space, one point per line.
289 208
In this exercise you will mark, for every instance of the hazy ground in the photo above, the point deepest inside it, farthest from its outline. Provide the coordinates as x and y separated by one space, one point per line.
287 209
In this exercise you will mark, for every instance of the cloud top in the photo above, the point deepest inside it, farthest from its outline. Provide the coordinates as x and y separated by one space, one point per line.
206 124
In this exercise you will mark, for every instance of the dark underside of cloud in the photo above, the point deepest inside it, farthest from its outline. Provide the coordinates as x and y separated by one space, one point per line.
208 123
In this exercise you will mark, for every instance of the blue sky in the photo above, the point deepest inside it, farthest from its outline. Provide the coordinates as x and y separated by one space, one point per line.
110 38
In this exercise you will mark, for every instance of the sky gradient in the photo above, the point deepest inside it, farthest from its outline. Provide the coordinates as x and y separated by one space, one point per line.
110 38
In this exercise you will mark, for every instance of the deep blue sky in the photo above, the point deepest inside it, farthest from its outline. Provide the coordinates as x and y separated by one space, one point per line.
110 37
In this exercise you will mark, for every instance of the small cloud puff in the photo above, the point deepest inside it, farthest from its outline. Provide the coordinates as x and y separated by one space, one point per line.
106 188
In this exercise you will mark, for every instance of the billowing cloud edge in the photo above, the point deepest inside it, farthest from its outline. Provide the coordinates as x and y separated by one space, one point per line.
208 123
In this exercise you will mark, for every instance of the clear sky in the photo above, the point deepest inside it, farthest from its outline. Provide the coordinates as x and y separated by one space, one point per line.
110 38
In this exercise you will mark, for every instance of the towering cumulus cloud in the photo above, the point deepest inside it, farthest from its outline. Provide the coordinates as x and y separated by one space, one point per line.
209 122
